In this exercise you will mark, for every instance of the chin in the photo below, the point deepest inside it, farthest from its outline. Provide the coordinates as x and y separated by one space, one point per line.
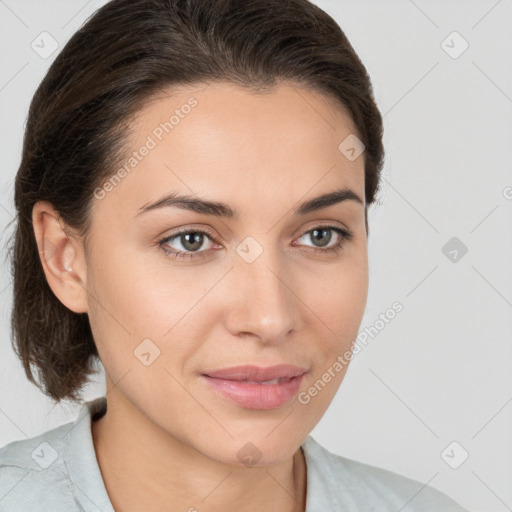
255 449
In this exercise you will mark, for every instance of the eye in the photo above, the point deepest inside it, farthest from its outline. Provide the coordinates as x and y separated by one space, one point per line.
323 236
190 241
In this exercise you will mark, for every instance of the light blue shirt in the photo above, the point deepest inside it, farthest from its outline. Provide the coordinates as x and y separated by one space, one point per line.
57 471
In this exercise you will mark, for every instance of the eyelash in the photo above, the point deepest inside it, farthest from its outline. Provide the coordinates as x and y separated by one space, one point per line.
344 236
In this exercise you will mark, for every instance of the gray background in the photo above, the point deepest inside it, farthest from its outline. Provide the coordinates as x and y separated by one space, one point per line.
440 371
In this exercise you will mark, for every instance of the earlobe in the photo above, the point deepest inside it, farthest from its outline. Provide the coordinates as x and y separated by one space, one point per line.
61 257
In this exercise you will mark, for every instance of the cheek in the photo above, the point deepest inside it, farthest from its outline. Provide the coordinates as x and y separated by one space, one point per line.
339 297
348 301
142 291
339 304
135 297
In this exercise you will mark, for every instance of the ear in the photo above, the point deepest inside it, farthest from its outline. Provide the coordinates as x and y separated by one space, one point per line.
62 257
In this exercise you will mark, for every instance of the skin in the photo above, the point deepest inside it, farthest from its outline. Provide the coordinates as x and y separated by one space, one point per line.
168 441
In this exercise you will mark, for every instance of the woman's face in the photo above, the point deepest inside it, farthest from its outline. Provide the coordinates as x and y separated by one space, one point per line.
255 282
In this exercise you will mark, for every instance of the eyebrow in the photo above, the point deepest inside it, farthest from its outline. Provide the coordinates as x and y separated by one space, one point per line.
223 210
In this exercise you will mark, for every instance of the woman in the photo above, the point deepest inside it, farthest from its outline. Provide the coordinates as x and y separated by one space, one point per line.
192 211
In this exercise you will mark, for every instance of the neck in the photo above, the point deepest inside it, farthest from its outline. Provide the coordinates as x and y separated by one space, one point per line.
146 468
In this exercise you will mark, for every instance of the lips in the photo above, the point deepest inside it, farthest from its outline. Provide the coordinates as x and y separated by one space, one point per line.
254 387
257 374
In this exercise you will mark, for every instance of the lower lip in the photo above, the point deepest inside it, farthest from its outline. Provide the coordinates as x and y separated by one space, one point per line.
256 396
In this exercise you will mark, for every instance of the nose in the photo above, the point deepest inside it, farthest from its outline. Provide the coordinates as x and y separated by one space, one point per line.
262 300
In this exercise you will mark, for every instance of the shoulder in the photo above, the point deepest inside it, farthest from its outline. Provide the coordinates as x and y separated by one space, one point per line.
358 486
56 470
33 473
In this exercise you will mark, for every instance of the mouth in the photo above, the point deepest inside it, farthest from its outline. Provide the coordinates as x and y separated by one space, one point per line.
257 374
254 387
268 382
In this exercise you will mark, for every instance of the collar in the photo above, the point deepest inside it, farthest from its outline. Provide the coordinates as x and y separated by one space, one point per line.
81 462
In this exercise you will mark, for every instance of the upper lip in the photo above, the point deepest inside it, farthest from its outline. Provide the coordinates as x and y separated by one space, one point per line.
257 373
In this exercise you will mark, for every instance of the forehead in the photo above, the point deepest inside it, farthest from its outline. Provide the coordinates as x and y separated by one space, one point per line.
224 142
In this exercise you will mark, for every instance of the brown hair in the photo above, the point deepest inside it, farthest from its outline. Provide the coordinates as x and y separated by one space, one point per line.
125 53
